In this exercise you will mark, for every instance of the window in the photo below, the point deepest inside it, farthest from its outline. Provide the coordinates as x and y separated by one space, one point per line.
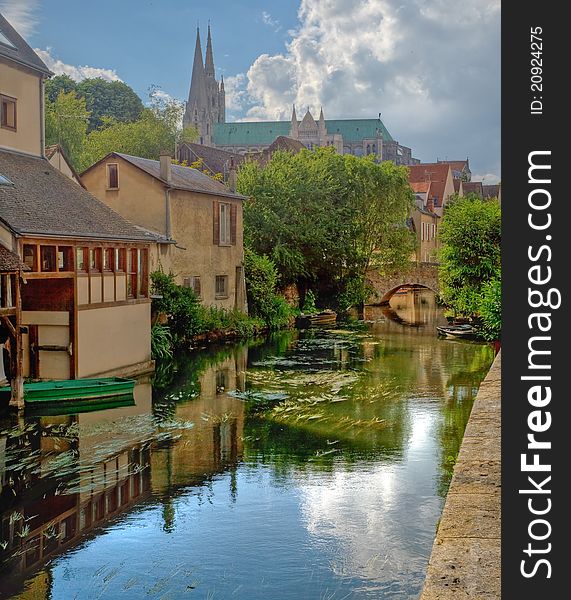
65 258
120 259
194 283
224 224
95 259
108 259
80 259
112 176
132 260
221 289
142 272
48 258
8 112
30 256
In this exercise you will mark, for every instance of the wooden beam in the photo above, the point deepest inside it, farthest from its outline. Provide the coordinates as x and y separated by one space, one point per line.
9 325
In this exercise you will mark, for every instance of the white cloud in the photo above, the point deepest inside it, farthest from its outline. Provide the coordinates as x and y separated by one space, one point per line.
21 14
270 21
431 68
77 73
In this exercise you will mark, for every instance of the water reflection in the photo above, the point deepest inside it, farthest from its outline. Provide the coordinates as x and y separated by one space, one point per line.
309 466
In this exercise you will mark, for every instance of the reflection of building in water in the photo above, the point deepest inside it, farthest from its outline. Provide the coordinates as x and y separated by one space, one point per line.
215 442
43 522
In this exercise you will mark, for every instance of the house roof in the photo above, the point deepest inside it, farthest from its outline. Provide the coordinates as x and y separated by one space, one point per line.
263 133
420 187
281 143
50 151
13 47
455 165
43 201
9 261
214 159
491 191
183 178
436 174
473 187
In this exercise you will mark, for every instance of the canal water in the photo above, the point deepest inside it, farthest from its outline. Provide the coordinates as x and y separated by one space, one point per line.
310 465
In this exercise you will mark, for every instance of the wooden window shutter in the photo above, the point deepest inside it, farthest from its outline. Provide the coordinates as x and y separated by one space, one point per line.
216 223
233 213
196 286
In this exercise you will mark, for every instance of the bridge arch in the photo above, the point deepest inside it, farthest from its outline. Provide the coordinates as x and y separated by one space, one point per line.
418 275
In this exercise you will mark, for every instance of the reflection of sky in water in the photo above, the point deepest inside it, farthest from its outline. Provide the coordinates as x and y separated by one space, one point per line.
335 497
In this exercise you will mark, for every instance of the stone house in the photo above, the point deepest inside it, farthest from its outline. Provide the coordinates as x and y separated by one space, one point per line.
83 306
198 220
425 223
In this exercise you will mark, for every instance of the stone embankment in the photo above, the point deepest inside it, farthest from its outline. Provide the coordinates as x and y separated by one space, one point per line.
465 559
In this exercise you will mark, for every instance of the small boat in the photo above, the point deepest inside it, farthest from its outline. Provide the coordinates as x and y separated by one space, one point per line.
40 392
82 405
325 317
465 332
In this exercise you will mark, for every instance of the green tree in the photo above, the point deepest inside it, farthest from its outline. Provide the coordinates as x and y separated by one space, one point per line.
66 124
109 99
470 233
57 84
324 219
158 128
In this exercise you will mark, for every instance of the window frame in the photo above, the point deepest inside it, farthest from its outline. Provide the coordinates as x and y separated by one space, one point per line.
14 101
221 295
109 186
224 224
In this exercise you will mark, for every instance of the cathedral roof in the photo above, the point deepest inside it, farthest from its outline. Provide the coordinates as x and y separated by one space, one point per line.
197 93
263 133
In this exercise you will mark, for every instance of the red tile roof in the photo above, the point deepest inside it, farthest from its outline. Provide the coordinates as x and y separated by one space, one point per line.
436 174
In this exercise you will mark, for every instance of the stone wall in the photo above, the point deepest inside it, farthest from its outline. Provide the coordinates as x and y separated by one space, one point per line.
465 561
425 274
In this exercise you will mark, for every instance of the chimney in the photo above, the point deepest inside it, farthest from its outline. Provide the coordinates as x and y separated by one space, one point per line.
232 178
165 168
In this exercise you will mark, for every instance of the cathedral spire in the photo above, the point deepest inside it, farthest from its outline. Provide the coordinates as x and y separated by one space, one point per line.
294 131
197 93
209 65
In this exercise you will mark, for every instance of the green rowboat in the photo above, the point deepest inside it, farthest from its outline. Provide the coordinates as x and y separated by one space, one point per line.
52 392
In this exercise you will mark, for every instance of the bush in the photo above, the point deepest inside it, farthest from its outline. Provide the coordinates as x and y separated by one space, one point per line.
261 285
490 309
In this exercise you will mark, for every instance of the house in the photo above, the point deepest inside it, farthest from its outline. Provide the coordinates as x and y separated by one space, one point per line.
472 187
213 160
492 191
58 158
199 219
460 168
82 306
441 182
425 223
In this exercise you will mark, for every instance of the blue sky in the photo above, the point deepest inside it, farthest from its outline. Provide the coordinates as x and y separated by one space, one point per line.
431 67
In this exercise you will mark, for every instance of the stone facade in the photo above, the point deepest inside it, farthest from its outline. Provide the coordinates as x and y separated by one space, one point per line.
205 110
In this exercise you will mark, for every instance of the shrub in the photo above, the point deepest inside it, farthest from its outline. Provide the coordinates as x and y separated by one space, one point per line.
261 285
490 309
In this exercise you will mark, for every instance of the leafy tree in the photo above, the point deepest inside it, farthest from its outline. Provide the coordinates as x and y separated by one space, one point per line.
490 309
157 129
66 124
324 219
57 84
109 99
470 233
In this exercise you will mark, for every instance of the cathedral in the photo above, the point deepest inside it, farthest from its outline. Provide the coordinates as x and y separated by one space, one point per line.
205 110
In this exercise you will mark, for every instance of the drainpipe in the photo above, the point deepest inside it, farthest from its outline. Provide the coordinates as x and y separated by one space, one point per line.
42 119
166 176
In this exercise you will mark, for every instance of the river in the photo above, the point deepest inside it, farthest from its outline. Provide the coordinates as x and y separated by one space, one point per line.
310 465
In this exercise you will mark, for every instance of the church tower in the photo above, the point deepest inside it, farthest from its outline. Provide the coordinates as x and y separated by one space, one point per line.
206 103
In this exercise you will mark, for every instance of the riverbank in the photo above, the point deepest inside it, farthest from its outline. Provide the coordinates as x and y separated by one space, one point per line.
466 555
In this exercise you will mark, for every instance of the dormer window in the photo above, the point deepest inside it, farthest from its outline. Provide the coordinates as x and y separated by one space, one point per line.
7 112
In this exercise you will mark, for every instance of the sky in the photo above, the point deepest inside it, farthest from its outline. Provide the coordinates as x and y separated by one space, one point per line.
430 67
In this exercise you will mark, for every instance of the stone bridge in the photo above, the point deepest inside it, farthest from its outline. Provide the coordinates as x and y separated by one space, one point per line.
419 274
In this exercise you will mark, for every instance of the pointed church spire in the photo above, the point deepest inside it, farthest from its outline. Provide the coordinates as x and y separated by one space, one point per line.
294 131
197 93
209 65
222 83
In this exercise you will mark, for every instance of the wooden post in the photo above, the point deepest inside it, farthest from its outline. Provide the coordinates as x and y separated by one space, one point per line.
17 399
